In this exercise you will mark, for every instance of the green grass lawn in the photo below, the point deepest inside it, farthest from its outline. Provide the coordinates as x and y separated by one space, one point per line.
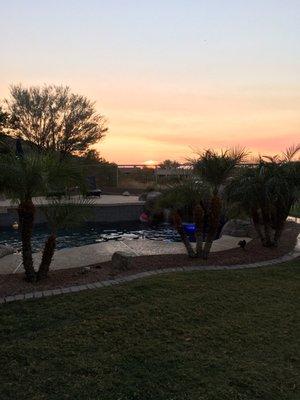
204 335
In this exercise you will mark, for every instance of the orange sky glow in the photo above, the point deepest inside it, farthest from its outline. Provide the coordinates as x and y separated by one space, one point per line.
163 123
170 77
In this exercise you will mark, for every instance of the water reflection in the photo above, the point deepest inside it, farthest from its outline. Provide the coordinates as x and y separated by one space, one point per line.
92 233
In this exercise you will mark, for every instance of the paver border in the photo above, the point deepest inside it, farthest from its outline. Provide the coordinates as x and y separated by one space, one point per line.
109 282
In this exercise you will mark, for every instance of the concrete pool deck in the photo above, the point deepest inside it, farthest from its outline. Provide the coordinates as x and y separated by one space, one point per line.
100 252
104 200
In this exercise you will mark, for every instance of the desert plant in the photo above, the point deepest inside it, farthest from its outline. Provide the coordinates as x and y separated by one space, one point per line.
185 195
24 177
200 196
214 169
60 214
177 222
199 225
267 192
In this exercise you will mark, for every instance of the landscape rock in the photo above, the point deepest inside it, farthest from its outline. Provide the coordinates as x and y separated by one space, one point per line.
6 250
121 260
153 195
238 228
151 199
126 193
143 197
156 216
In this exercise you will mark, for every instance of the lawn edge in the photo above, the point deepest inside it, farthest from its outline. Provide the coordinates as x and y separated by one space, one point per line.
110 282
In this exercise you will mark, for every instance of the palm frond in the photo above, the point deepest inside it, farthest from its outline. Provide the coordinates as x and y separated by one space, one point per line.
272 159
291 152
216 167
64 213
37 174
186 193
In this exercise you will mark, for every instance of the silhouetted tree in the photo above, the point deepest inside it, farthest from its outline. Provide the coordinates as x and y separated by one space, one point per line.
267 192
202 193
169 164
3 119
54 119
93 155
33 174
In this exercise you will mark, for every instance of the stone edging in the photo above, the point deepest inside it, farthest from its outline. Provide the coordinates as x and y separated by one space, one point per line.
110 282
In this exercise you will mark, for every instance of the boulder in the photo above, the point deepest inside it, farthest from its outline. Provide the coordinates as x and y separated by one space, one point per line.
156 216
238 228
6 250
153 195
151 199
143 197
126 193
121 260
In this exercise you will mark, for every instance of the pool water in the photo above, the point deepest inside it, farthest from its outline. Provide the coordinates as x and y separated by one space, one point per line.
92 233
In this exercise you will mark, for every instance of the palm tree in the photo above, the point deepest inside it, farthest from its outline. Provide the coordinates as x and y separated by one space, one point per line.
199 225
214 169
283 188
267 192
177 222
60 214
185 198
247 190
24 177
201 196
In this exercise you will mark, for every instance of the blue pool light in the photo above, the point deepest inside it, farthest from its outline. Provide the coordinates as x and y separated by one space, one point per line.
189 228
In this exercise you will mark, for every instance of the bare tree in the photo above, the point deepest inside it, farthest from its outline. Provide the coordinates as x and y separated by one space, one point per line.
53 118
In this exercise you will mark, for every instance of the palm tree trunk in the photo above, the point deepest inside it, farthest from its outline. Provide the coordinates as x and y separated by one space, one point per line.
48 253
214 219
187 243
26 212
278 233
199 243
256 223
267 228
207 246
281 216
178 226
198 218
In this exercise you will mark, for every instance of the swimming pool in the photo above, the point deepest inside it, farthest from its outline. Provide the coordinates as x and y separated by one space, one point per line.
92 233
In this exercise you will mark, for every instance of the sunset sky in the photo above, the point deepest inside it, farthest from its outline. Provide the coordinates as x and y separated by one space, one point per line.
169 75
